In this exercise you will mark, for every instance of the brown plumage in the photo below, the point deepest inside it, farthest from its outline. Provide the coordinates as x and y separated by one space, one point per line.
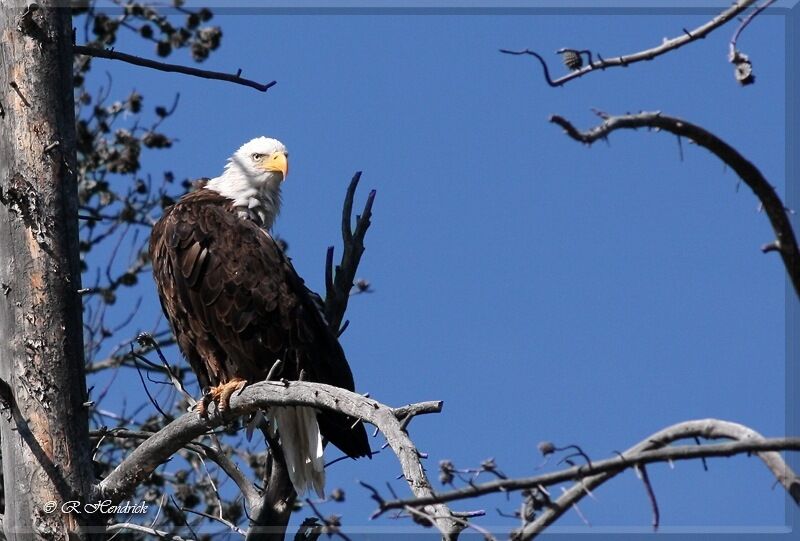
236 305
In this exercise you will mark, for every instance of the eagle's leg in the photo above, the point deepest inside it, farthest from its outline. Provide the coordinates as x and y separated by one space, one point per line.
221 394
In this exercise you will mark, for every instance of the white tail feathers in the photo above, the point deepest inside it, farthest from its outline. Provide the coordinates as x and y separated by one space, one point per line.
301 443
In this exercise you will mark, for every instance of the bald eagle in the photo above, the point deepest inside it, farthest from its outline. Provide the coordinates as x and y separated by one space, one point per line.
236 305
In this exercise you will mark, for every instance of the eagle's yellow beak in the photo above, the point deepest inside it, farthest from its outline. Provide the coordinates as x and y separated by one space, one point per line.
277 162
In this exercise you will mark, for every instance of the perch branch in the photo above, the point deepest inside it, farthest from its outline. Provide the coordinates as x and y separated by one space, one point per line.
666 46
164 443
338 288
175 68
786 242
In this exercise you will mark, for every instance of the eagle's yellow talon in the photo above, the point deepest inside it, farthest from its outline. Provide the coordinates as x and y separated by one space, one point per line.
221 394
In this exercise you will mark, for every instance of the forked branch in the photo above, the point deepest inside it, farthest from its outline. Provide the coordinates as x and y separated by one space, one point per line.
339 283
785 242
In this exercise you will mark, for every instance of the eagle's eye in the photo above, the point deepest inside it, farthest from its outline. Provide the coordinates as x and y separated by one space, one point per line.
256 157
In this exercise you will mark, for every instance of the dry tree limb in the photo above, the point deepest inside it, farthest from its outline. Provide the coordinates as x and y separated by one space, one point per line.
666 46
339 283
705 428
175 68
619 463
231 469
163 444
122 356
653 449
641 471
152 532
785 243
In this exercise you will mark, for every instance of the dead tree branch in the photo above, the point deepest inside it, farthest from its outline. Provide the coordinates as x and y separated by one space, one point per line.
164 443
705 428
666 46
617 465
174 68
650 450
785 243
158 534
231 469
339 284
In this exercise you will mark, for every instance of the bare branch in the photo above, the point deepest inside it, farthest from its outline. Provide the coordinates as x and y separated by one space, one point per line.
405 413
227 523
175 68
227 465
786 242
666 46
338 289
650 450
146 341
163 444
651 495
144 529
748 441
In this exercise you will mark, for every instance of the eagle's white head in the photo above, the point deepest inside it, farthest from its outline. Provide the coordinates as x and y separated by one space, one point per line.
252 179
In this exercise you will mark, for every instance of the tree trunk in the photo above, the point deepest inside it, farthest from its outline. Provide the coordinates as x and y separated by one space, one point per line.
43 422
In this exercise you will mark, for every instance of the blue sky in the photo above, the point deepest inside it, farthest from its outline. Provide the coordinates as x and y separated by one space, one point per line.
544 290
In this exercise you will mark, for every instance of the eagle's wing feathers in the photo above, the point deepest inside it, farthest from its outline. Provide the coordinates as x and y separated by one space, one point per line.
236 305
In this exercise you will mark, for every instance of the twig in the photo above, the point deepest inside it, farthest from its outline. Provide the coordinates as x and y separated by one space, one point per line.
183 516
786 242
15 86
329 528
743 68
146 340
144 529
745 22
466 524
161 66
651 495
647 54
309 530
233 527
227 465
149 396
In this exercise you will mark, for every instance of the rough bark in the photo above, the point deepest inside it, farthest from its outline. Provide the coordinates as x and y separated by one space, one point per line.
44 426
